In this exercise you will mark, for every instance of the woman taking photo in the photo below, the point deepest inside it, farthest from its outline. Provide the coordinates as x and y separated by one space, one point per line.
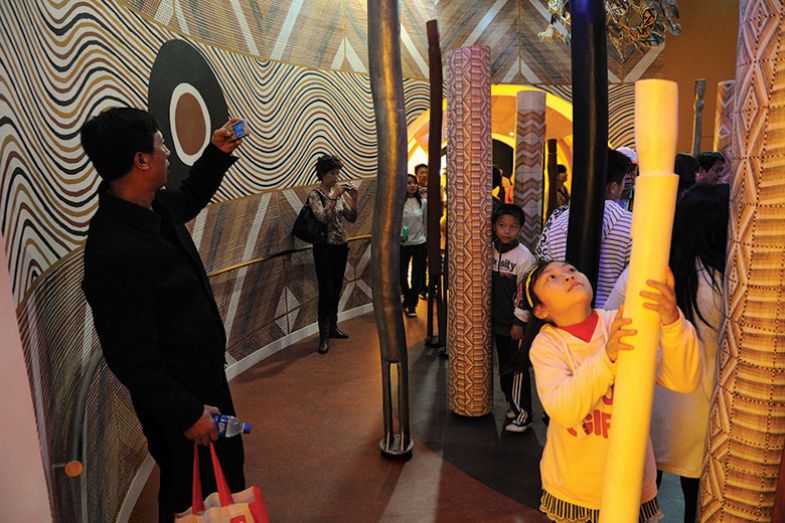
331 203
413 245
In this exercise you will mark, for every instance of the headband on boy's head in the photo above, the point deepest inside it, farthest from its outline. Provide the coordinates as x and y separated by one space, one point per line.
526 287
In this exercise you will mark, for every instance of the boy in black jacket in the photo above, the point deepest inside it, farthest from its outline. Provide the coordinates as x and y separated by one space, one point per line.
511 262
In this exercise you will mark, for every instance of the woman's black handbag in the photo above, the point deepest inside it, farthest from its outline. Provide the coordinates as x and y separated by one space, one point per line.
307 228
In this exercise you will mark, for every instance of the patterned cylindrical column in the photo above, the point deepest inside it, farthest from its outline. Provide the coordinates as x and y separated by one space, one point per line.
723 124
747 419
469 336
529 147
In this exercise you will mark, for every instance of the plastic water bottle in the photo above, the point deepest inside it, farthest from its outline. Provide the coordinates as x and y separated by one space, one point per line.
229 426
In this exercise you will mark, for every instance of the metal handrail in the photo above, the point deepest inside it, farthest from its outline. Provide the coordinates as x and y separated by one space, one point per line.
75 466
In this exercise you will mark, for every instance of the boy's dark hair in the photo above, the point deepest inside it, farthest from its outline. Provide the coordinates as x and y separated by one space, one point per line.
112 138
419 166
561 168
325 164
511 209
708 159
618 167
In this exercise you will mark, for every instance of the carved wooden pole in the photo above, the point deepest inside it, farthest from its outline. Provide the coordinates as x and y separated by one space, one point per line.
434 189
529 145
553 175
747 418
697 123
469 148
723 125
384 57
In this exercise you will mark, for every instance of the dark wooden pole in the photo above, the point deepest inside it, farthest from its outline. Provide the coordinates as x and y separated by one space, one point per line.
553 175
384 58
434 192
697 121
590 131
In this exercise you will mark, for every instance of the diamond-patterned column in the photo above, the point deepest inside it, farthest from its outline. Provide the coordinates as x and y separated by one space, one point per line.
747 420
723 124
469 337
529 147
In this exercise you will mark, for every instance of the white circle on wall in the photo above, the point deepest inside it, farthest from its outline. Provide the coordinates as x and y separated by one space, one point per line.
192 130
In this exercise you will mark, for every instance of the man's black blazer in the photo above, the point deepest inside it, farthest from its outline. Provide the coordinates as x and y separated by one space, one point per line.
154 310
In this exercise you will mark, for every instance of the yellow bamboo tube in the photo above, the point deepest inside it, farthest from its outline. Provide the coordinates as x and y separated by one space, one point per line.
656 124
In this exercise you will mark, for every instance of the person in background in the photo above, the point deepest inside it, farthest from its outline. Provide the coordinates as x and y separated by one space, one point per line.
507 186
562 193
679 422
574 358
421 172
511 261
625 199
160 329
686 166
331 203
711 167
616 245
413 245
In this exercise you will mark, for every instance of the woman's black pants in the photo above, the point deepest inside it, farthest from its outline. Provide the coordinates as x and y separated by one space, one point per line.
330 263
418 255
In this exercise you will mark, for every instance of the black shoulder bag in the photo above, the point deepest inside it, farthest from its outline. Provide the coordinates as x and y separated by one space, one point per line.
307 228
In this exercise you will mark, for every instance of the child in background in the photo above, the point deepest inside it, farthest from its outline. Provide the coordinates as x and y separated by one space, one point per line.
574 359
511 262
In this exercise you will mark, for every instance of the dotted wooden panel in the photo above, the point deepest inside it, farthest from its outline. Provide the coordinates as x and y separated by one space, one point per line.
747 421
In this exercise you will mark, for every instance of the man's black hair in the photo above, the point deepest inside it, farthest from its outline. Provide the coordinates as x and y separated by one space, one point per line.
708 159
561 168
112 139
419 166
618 167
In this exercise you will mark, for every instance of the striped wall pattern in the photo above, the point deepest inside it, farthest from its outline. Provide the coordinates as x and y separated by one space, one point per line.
747 420
621 110
723 124
333 34
529 163
469 335
88 56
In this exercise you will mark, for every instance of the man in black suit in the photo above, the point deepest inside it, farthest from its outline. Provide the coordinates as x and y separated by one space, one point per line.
154 310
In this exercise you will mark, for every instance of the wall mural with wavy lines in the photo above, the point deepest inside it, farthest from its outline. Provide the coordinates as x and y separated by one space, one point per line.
81 57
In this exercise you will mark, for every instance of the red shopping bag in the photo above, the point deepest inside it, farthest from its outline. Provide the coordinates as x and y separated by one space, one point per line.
223 506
